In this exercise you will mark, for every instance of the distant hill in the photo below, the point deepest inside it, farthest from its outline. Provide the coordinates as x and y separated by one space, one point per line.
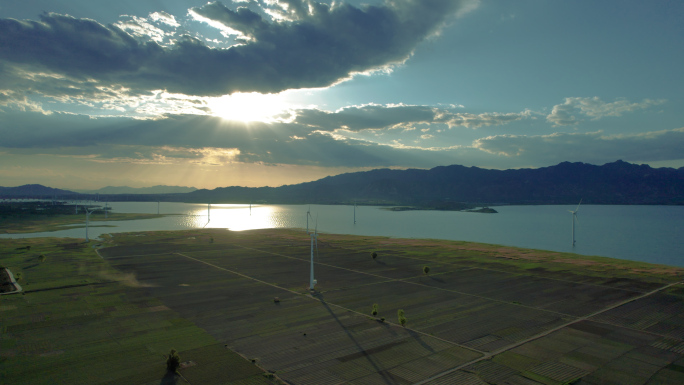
140 190
444 187
33 190
613 183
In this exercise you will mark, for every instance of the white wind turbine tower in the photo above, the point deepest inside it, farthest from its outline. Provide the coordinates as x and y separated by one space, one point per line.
354 212
88 212
314 240
574 217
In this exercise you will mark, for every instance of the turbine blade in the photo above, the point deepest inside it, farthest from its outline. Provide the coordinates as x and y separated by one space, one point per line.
578 205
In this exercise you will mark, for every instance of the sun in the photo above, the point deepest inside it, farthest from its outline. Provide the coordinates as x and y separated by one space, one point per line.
250 107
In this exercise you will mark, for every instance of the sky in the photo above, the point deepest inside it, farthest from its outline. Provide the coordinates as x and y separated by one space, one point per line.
98 93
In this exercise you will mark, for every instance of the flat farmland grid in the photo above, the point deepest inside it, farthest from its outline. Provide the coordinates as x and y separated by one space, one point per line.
239 307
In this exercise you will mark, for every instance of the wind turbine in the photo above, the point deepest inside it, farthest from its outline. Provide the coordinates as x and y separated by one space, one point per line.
209 212
354 212
88 212
574 217
106 203
314 240
308 214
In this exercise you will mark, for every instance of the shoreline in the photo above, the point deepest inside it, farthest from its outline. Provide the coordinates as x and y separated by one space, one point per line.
68 222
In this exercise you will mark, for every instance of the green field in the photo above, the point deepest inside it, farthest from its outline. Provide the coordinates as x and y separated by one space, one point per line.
483 314
81 322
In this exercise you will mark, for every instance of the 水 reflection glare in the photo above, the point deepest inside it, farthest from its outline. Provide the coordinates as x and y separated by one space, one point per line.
234 217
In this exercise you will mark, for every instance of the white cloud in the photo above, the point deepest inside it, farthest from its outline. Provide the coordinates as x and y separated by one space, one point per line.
592 147
139 27
484 119
165 18
594 108
401 116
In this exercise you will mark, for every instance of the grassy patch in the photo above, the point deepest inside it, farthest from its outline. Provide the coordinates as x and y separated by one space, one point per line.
82 322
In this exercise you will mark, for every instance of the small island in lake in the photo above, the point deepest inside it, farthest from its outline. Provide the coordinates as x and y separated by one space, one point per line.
446 206
486 210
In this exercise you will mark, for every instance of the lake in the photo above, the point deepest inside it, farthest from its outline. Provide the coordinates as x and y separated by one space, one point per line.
643 233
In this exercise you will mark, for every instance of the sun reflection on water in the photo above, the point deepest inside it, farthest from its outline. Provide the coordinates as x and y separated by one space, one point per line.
236 217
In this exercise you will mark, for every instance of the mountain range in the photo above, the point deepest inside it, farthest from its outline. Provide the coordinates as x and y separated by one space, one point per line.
444 187
139 190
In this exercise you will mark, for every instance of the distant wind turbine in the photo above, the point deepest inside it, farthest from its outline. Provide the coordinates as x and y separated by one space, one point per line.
308 214
314 240
354 212
208 214
88 212
574 218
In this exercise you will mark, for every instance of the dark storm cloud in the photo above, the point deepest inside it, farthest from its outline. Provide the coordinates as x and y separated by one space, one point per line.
319 47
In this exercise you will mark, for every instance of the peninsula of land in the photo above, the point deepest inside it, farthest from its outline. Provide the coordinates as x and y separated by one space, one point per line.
45 216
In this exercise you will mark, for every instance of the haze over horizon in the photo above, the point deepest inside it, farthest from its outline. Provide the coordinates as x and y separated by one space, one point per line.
266 93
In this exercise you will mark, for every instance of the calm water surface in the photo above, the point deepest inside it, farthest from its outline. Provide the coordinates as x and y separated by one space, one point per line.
644 233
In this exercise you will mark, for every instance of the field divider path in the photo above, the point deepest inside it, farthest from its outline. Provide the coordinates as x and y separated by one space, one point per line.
326 302
405 280
236 273
397 325
319 263
507 272
547 332
637 330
